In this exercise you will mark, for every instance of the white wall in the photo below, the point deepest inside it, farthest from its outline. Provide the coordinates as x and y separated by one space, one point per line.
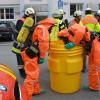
84 1
9 2
35 1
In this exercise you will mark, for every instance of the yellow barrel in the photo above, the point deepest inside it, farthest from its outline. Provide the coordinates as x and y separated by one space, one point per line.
65 67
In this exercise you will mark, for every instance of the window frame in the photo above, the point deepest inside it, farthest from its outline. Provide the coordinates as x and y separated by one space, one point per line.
9 13
79 6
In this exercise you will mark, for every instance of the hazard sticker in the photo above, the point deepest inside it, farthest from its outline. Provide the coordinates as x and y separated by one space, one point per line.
3 88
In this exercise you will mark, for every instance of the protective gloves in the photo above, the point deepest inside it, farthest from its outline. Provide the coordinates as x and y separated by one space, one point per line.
69 45
41 60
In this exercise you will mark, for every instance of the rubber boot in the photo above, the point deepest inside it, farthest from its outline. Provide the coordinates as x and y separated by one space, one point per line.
22 71
84 63
42 91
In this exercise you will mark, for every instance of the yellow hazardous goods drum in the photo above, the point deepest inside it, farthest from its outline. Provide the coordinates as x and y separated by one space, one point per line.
25 30
65 67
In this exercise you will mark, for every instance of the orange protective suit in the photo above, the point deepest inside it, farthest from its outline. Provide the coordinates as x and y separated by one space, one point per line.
40 37
91 23
94 66
75 33
9 87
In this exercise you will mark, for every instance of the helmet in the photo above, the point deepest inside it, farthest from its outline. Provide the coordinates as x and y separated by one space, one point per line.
61 11
58 13
77 13
29 11
88 9
98 12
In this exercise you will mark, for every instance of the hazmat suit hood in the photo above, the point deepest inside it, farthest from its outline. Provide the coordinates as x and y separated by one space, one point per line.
48 22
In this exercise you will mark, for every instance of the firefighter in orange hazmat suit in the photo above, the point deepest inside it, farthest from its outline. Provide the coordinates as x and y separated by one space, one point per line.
35 55
77 17
74 35
9 87
94 65
92 24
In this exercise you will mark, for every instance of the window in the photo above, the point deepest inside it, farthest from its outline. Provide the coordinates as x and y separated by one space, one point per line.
6 13
74 7
1 13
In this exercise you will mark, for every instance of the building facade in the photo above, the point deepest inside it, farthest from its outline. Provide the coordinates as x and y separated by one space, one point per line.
13 9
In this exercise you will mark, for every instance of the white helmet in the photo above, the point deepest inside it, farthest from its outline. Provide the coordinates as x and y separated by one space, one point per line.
77 13
29 11
88 9
58 13
61 11
98 12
